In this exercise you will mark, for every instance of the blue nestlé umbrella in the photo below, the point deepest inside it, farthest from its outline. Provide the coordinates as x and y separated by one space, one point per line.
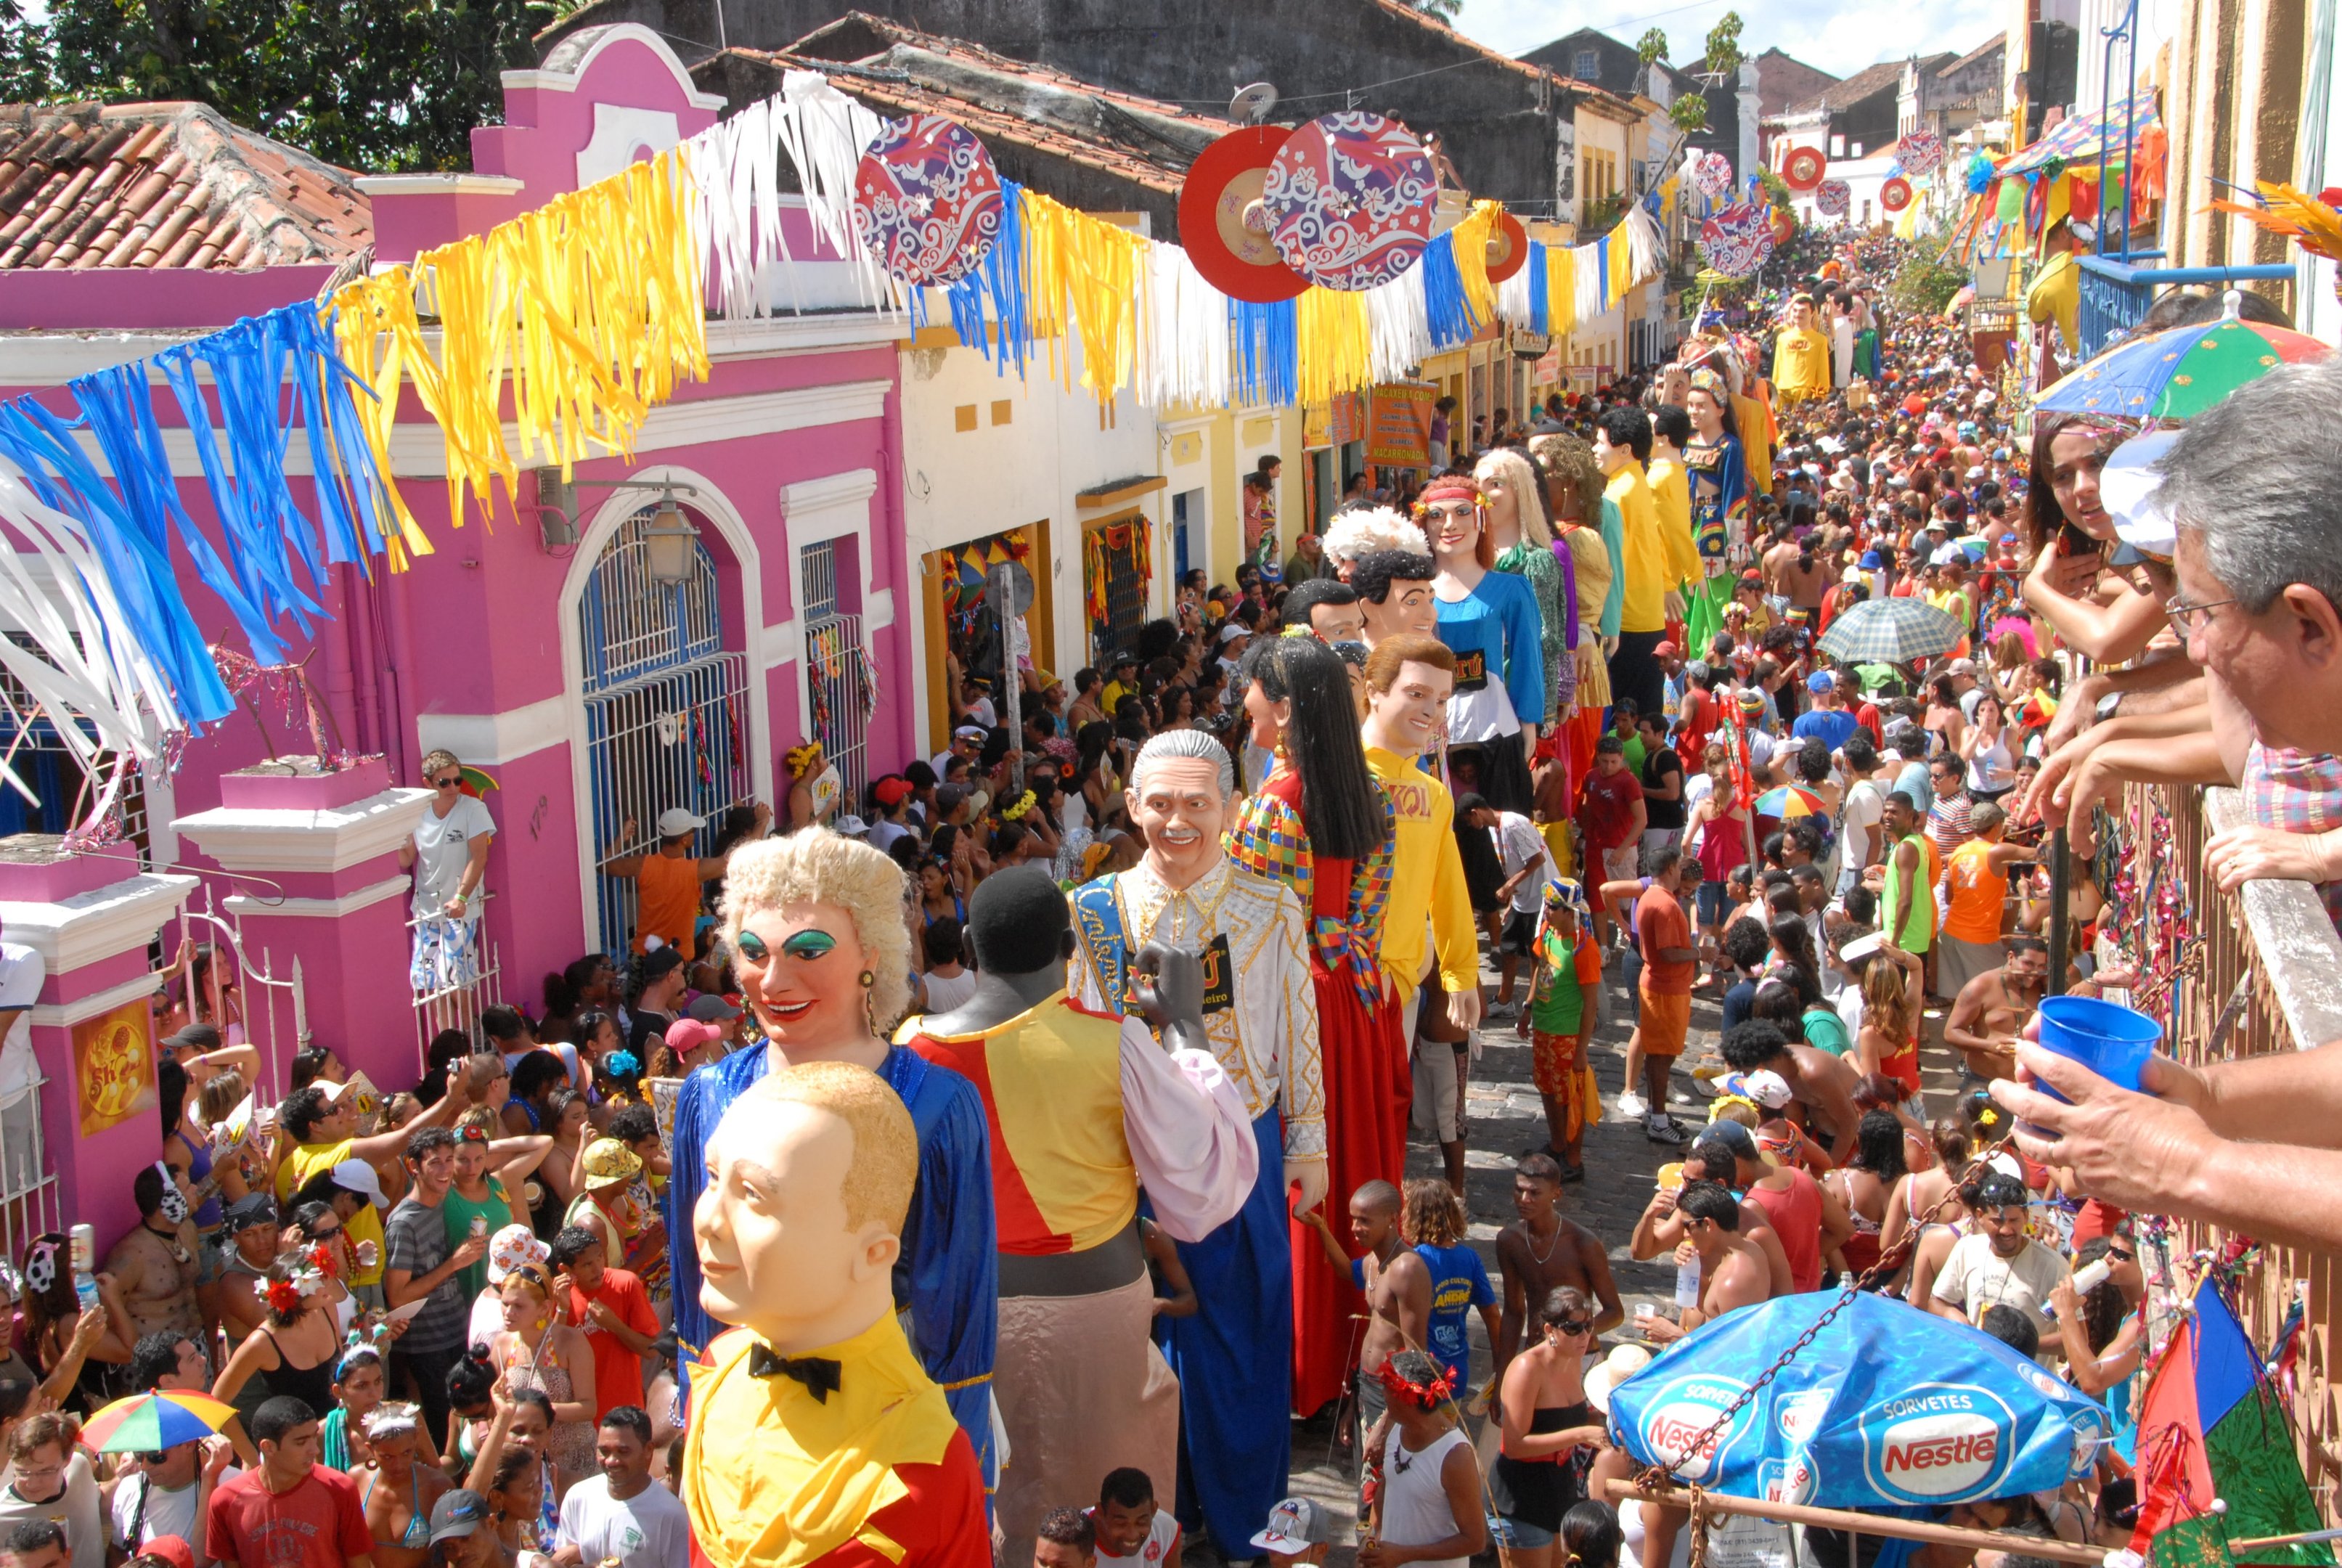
1887 1408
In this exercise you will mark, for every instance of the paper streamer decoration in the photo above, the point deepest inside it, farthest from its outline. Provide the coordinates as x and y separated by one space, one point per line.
1738 240
1894 194
1223 187
1712 174
1920 153
1350 198
926 200
738 217
1833 199
1508 250
1804 167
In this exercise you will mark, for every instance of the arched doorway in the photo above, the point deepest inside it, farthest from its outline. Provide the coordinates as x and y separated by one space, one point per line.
666 711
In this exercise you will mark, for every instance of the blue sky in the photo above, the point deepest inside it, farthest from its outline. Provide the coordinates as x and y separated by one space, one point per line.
1840 37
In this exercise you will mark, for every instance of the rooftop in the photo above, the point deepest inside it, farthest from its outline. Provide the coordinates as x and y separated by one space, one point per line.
1871 80
166 184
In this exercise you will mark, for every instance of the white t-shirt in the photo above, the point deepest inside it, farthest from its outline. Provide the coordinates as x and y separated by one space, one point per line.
169 1512
1975 1278
1862 807
1519 844
1154 1550
21 974
946 991
883 834
648 1530
442 846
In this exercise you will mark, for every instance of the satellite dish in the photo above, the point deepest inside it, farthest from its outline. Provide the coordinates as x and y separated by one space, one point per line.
1011 587
1251 104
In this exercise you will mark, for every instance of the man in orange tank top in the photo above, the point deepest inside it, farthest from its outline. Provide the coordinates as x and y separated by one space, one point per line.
667 880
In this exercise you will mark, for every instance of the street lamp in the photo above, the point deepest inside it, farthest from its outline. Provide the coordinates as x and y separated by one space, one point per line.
669 545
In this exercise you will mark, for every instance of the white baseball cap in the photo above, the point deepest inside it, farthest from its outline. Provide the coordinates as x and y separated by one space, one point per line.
1294 1525
2132 493
674 822
357 1176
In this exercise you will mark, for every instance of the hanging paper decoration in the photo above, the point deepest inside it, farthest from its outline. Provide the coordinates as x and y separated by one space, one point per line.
1085 273
1350 198
1224 222
1895 194
926 200
1507 249
1833 199
1712 172
1803 169
1920 153
1785 226
1738 240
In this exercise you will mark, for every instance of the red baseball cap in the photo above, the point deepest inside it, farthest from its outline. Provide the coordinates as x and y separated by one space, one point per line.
686 1035
172 1549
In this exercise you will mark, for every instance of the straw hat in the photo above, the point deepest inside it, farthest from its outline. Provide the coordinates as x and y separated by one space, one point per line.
1616 1367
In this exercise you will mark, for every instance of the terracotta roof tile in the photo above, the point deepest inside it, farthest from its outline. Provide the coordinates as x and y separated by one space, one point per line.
166 184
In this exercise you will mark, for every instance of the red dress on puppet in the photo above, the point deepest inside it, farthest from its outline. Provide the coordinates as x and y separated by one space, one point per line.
1367 1083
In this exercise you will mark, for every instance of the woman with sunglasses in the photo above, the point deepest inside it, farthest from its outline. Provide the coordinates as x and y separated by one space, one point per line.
2100 1329
1545 1422
449 848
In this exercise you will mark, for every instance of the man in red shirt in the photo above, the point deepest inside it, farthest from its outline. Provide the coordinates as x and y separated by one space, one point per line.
1663 935
291 1511
1611 818
1696 716
614 1308
1808 1216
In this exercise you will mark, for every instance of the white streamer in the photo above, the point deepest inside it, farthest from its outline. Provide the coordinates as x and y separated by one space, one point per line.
1400 323
1183 340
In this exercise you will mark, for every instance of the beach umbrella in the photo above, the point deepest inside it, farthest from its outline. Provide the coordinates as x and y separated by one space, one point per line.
1974 544
150 1422
2179 374
1788 800
1886 1408
1891 631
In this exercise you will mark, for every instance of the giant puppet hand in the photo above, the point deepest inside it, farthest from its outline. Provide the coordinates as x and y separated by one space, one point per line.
1310 1176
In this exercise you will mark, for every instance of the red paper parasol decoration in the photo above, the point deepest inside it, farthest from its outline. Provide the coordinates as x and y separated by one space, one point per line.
926 200
1804 167
1785 227
1350 198
1894 194
1508 248
1222 184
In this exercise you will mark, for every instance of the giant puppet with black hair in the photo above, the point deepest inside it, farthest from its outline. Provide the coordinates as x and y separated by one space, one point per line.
1084 1109
1321 825
1235 1355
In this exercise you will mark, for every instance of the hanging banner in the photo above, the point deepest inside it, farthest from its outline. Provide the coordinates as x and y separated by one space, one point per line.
1400 434
1335 424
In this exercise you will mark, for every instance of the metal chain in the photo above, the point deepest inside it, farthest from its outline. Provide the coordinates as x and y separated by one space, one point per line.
1654 1474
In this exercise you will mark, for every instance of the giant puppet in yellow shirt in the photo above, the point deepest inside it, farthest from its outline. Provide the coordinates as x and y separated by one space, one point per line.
1801 356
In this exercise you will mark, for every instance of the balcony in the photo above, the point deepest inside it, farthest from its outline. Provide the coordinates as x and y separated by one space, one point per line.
2116 294
2261 970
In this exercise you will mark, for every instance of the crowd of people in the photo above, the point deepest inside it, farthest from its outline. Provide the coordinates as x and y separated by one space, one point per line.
1564 709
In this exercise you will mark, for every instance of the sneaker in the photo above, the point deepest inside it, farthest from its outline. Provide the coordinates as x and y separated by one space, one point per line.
1661 1128
1501 1012
1677 1096
1631 1105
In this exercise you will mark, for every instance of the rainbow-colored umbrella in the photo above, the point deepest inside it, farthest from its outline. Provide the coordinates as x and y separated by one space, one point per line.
1787 801
2179 374
150 1422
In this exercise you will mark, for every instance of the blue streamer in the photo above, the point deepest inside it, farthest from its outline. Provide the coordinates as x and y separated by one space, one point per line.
1268 352
1602 267
1000 280
1453 320
1540 283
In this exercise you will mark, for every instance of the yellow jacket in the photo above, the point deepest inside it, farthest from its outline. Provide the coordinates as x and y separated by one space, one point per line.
1647 556
1801 363
1671 488
1426 880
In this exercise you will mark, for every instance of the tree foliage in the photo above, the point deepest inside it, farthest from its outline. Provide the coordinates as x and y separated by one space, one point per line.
376 84
1925 283
1724 45
23 56
1777 190
1446 10
1652 47
1689 113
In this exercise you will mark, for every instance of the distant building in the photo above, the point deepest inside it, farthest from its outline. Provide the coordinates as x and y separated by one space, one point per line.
1950 99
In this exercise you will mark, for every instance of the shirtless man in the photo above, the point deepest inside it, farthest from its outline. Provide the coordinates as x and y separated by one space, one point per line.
1544 1251
1823 1083
1662 1229
1991 1011
1393 1276
1732 1272
154 1267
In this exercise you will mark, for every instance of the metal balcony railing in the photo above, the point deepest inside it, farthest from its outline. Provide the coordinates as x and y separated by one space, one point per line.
2266 975
2116 294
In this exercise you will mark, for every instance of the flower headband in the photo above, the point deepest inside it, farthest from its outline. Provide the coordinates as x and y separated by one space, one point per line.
1426 1395
1458 485
801 760
284 1296
391 1418
620 1063
1017 808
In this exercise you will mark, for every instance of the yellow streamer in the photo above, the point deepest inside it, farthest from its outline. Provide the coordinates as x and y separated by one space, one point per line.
1561 289
595 298
1085 271
1622 264
1471 242
1335 342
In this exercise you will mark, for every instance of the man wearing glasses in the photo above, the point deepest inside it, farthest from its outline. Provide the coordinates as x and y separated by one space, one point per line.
449 850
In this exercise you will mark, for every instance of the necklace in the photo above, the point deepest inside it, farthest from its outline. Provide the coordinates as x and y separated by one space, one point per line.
1534 1256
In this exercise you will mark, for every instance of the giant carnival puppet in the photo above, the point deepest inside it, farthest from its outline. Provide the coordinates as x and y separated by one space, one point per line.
1235 1355
1086 1109
815 924
815 1437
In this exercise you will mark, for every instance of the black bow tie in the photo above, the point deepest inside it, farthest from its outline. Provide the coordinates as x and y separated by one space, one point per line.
817 1372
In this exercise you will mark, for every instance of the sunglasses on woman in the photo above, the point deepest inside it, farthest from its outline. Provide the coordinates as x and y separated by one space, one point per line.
1572 1325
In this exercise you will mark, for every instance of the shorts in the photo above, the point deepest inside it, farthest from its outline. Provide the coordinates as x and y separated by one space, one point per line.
1623 863
1957 963
1439 1070
1519 934
1667 1022
1518 1534
1713 900
1557 1061
210 1264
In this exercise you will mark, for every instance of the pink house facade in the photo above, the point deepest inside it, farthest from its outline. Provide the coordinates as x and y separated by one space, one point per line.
542 645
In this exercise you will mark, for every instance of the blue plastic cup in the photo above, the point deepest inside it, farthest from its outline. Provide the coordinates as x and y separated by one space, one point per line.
2110 1040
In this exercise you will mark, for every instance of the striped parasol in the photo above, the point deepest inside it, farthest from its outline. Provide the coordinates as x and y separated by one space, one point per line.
1891 631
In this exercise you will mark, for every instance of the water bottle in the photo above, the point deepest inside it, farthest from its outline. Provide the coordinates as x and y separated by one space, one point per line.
1687 1282
84 1264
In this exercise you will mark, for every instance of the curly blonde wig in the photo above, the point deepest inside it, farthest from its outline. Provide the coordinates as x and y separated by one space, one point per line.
815 866
1568 459
1353 536
1519 476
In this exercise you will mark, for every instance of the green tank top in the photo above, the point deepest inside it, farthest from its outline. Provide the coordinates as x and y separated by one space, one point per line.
1918 930
458 1211
1826 1031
